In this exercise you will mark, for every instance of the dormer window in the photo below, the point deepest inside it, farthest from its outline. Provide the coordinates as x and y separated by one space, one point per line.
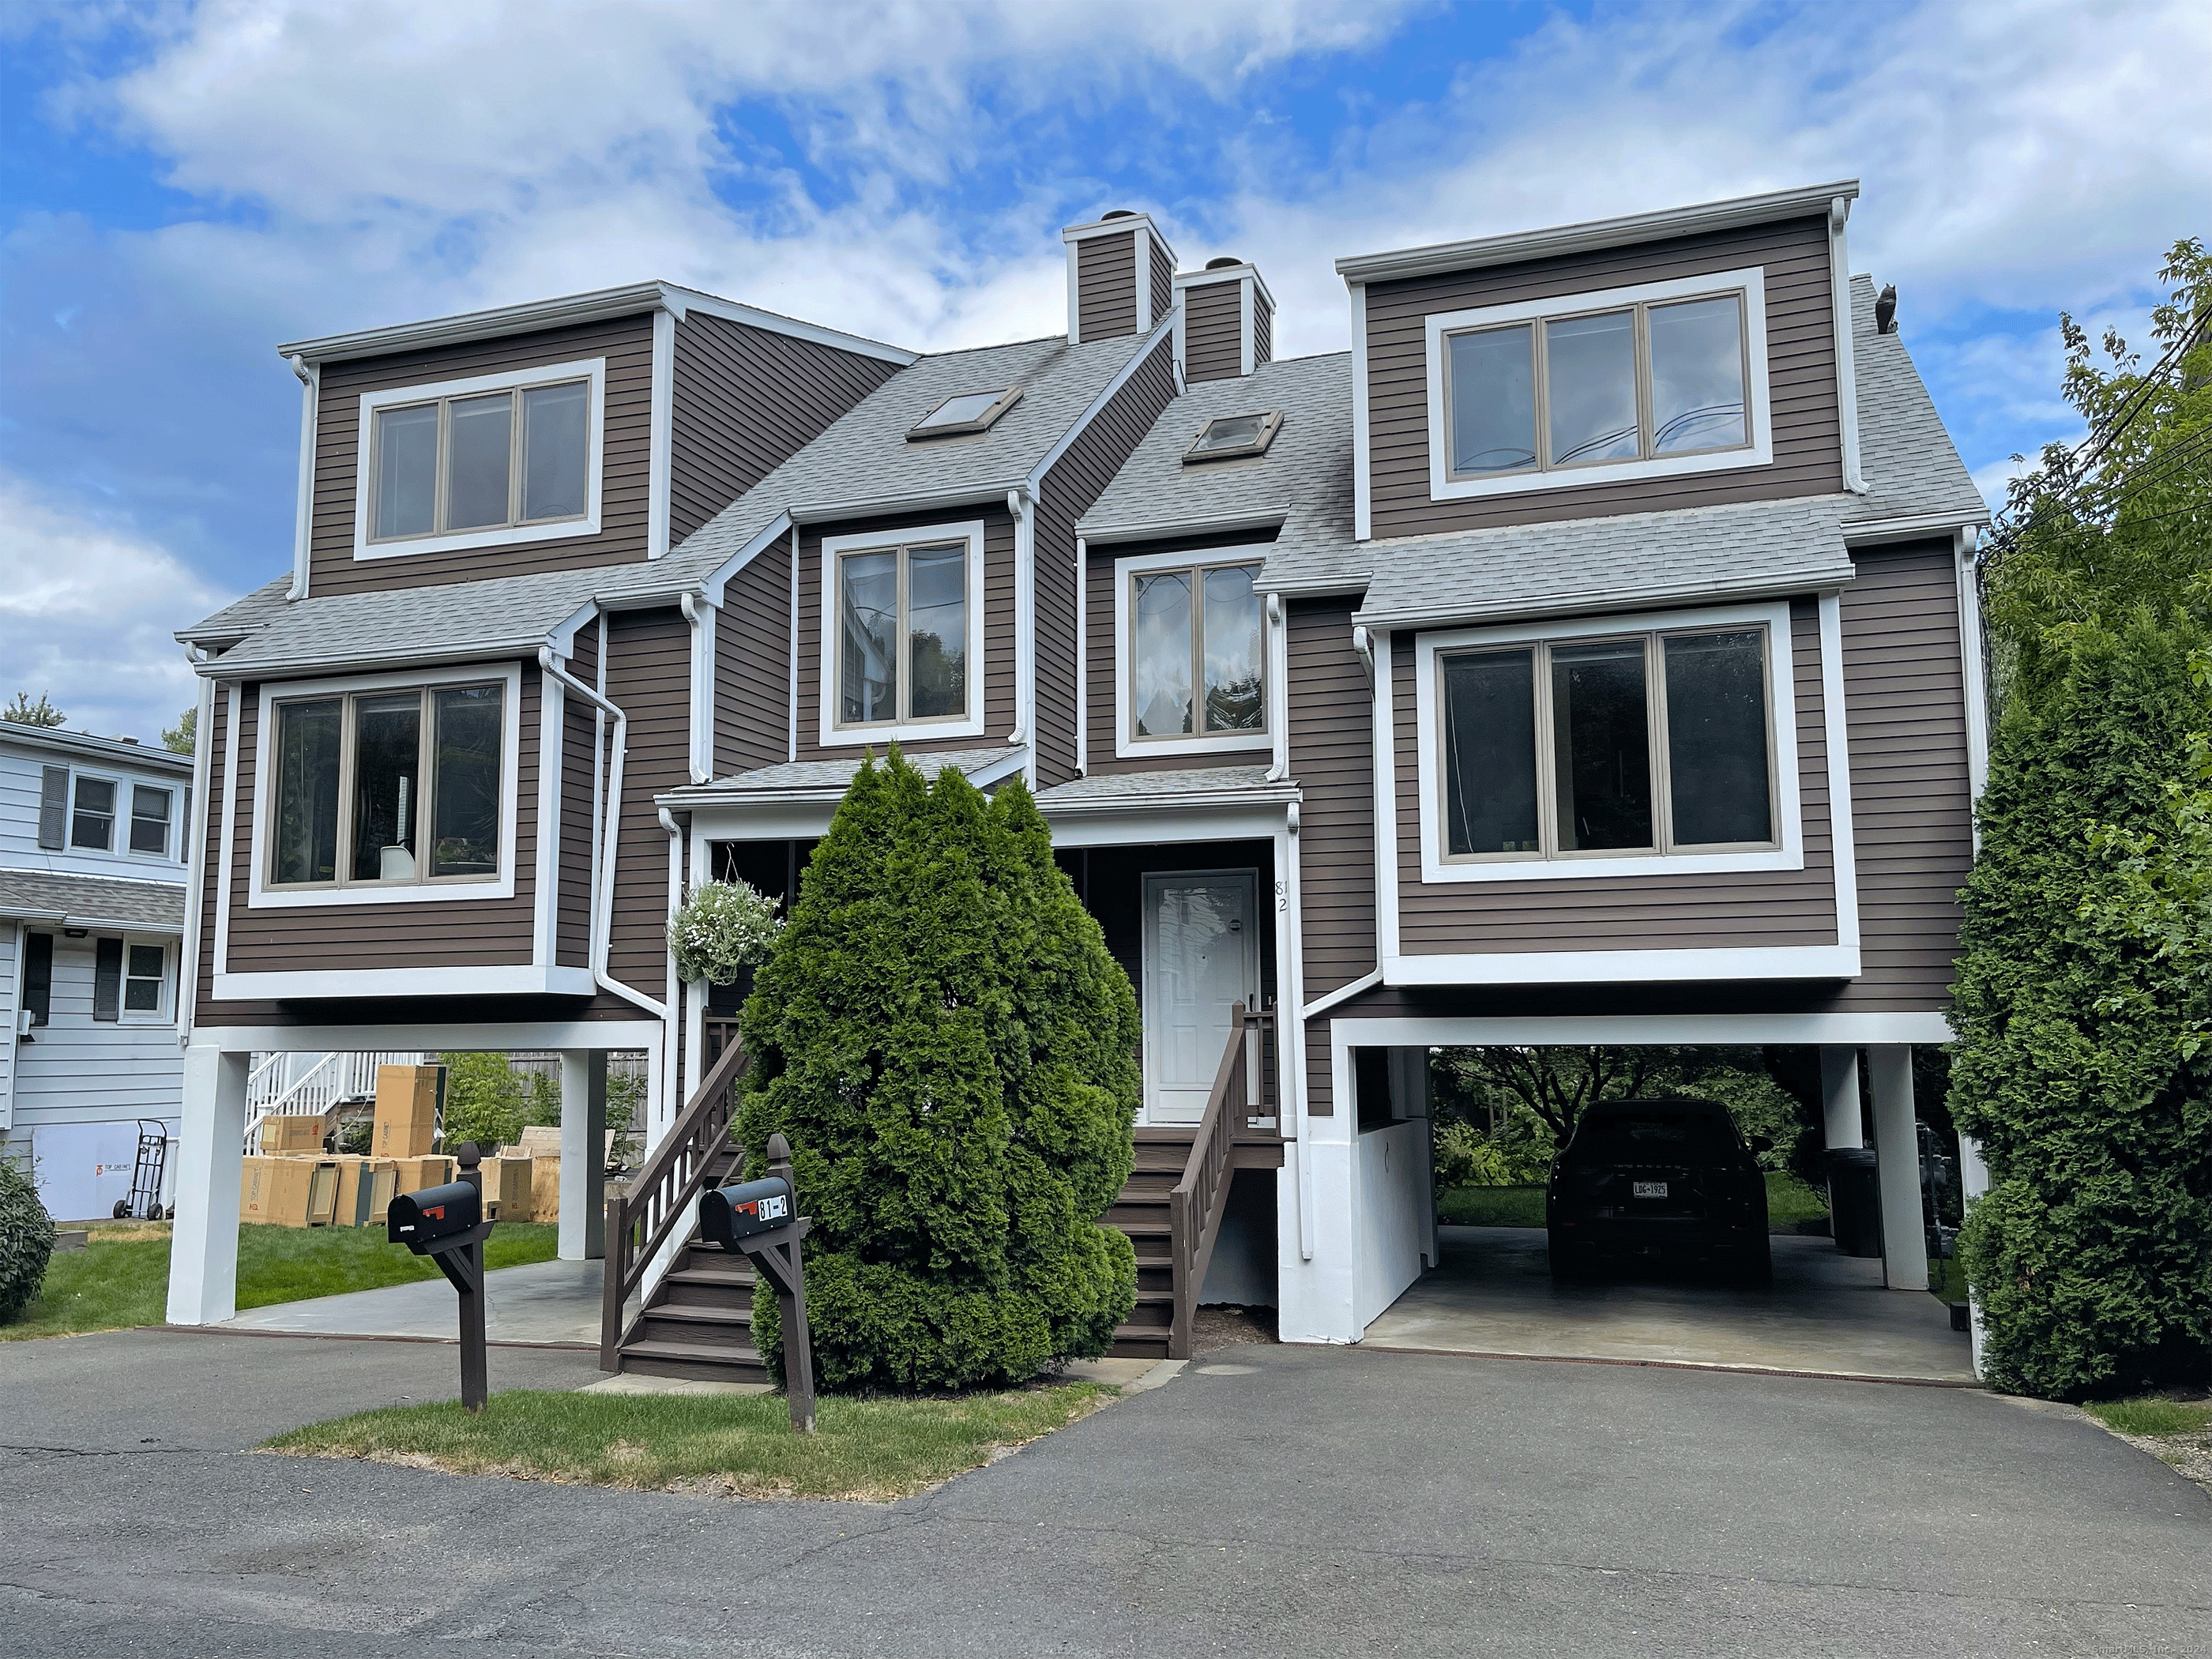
1229 436
1629 383
1190 653
970 411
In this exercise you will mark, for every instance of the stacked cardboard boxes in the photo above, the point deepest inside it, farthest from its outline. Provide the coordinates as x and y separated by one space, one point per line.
408 1101
285 1134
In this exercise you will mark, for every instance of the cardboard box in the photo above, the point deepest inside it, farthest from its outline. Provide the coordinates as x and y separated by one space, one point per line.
414 1174
546 1188
506 1188
408 1101
289 1192
541 1141
283 1133
366 1186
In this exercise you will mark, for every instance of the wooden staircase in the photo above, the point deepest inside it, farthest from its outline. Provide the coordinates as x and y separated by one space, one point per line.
697 1321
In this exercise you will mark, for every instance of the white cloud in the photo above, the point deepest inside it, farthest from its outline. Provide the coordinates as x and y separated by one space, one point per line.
87 609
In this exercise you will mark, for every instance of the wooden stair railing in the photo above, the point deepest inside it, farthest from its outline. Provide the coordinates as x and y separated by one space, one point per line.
664 1194
1200 1199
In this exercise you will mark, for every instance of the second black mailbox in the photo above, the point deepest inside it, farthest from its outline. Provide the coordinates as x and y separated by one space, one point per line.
729 1213
435 1212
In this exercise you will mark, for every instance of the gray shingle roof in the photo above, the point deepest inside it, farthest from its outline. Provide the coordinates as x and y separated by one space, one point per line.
1113 786
241 616
1304 479
1570 564
92 901
836 774
1911 468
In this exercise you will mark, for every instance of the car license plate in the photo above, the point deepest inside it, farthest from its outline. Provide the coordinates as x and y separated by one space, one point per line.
1650 1188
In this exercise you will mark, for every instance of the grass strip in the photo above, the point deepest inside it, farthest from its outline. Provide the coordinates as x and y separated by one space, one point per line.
1788 1201
2152 1418
869 1451
121 1278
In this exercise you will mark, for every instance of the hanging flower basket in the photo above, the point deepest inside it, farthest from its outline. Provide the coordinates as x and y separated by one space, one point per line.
723 928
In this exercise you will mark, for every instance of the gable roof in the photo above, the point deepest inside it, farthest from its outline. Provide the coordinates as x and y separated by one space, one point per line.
1911 469
91 900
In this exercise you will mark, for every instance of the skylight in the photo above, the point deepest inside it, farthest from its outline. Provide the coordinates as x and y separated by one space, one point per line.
1229 436
968 411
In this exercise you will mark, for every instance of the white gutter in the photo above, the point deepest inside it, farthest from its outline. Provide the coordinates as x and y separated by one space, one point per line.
1840 307
1344 992
603 885
311 396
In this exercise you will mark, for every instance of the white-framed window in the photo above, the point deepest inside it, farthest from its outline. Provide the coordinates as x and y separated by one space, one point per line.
93 803
486 461
387 788
152 808
1190 653
1639 382
1636 745
148 979
903 634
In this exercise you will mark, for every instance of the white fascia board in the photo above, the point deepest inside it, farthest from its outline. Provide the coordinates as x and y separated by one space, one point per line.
1919 526
108 751
599 305
1110 227
1594 234
920 501
1259 517
1974 672
552 713
508 1034
1362 489
1161 330
1611 601
1840 307
355 984
1143 247
1815 962
1164 823
715 584
1606 1031
368 658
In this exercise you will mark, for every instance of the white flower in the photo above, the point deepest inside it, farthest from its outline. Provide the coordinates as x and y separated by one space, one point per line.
723 927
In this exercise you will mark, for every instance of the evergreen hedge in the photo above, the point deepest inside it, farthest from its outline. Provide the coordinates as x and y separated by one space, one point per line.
2091 1253
951 1052
27 1240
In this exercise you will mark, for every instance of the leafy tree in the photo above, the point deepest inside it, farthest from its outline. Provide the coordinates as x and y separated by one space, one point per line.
182 736
484 1100
950 1049
23 712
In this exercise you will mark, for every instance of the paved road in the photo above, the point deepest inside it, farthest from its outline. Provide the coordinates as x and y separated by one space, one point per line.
1319 1501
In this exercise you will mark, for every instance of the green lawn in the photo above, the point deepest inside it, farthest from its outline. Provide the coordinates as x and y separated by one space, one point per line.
2151 1417
121 1278
715 1445
1788 1200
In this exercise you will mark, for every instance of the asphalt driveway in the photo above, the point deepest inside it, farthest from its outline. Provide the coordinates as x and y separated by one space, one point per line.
1273 1501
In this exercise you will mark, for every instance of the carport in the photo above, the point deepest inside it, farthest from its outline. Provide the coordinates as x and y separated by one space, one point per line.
1490 1290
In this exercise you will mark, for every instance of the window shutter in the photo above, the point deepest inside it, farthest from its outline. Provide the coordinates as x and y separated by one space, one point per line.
54 806
107 980
39 976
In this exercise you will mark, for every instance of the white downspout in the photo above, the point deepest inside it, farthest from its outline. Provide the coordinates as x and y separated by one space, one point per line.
1278 673
188 949
701 615
1847 393
1082 660
1023 506
672 1028
311 398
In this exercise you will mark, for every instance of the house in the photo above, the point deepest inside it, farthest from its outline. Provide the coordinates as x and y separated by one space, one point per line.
1587 655
94 840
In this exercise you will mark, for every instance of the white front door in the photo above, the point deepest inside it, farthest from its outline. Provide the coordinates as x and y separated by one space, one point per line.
1201 959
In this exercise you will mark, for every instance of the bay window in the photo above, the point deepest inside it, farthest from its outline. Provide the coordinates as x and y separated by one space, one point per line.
387 788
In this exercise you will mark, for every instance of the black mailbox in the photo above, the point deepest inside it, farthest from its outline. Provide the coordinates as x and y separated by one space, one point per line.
729 1213
435 1212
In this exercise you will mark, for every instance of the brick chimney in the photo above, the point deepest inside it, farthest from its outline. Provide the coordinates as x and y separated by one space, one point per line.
1228 325
1121 276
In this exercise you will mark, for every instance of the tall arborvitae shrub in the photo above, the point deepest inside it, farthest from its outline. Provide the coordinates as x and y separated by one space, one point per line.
2091 1255
950 1050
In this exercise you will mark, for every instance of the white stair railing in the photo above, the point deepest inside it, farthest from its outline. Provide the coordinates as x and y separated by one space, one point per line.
309 1084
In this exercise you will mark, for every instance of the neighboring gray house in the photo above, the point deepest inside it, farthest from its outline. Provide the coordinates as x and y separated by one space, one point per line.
94 836
1587 655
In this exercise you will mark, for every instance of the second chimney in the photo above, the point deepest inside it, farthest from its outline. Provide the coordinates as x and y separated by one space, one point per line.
1121 276
1228 320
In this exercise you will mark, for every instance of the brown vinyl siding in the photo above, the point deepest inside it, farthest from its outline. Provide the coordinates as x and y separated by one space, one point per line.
1163 283
1331 762
1214 331
627 344
752 667
455 933
649 679
1102 719
998 627
1911 814
1801 377
1740 910
579 761
745 399
1263 329
1106 285
1066 494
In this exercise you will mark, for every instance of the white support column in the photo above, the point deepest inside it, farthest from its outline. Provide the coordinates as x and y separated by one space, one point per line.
1897 1153
583 1154
203 1248
1839 1094
1974 1184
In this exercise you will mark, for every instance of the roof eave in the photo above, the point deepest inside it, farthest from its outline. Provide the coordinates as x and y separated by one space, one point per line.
1610 600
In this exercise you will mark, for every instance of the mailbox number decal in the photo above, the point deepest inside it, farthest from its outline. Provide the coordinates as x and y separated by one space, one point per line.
765 1209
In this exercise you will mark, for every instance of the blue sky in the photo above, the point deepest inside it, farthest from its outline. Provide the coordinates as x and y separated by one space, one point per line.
182 186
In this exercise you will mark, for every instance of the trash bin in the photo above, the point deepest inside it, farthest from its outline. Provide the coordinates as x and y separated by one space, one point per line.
1855 1201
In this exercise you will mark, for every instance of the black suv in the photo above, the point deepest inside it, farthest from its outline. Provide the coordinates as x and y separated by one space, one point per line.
1658 1178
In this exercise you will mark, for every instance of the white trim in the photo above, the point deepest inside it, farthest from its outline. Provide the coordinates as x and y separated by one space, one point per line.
1243 272
1138 359
258 897
1759 452
1590 234
661 443
701 615
1082 655
1244 346
311 404
429 1039
1171 821
592 369
834 736
1623 967
1782 724
545 891
791 724
1362 460
188 967
1290 1023
1973 670
1343 994
1023 505
11 1006
1074 296
1839 307
1586 1030
529 979
599 305
1277 643
1835 729
715 585
1142 247
235 696
1127 744
1384 744
1919 526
